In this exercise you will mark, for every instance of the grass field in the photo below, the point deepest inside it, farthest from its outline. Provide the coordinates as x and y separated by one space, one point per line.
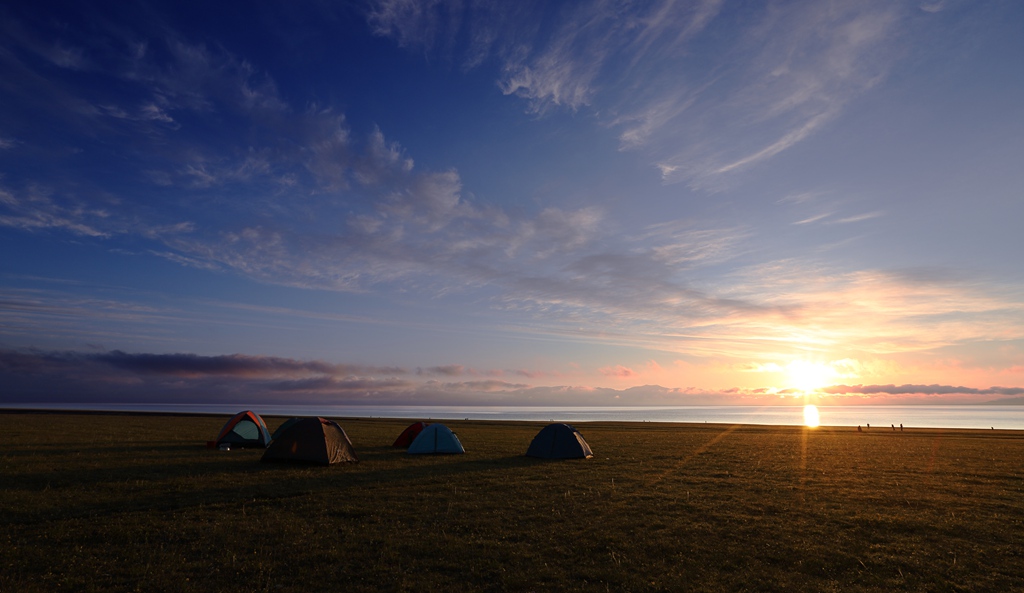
108 502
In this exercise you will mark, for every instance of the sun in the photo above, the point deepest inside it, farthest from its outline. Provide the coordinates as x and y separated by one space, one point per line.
811 417
809 376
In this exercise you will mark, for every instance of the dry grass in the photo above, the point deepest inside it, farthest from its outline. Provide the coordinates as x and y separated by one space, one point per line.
110 502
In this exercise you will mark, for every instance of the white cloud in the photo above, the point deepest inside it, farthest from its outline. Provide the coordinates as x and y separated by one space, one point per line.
555 231
815 218
384 160
411 23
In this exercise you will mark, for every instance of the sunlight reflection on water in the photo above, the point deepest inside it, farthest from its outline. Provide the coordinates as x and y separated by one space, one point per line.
986 416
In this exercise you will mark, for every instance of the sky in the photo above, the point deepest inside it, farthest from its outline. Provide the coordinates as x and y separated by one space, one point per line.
459 202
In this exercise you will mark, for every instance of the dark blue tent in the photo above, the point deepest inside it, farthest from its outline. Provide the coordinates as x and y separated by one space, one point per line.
559 441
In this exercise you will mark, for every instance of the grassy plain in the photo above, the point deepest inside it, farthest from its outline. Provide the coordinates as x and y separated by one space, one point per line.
107 502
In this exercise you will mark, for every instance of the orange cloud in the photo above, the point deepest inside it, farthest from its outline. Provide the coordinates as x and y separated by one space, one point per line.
618 371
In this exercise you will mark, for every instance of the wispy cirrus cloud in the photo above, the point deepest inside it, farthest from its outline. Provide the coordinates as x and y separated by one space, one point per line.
860 217
814 218
35 208
793 70
703 113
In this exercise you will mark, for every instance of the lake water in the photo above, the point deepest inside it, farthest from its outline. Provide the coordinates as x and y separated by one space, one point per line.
989 416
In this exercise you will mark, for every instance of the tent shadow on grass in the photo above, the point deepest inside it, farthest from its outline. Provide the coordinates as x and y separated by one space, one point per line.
65 449
215 463
163 502
212 462
301 481
379 453
441 467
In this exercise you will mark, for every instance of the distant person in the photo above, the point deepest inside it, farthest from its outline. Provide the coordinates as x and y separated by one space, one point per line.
859 429
901 427
869 425
893 427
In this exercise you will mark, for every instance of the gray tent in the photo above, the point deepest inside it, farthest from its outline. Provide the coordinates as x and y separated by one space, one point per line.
284 426
312 440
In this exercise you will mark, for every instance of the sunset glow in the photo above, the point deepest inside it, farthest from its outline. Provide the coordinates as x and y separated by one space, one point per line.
809 376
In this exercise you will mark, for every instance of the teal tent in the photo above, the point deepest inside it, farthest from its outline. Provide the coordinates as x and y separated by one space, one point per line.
436 438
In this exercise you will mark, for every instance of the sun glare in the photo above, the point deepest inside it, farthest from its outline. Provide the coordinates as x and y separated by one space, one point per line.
808 376
811 418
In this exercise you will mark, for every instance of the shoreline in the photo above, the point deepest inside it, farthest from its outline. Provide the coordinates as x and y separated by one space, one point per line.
531 422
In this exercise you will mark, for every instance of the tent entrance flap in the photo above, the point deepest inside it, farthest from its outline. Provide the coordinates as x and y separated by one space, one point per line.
244 429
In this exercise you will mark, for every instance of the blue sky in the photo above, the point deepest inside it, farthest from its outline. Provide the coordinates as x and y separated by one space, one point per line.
467 202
